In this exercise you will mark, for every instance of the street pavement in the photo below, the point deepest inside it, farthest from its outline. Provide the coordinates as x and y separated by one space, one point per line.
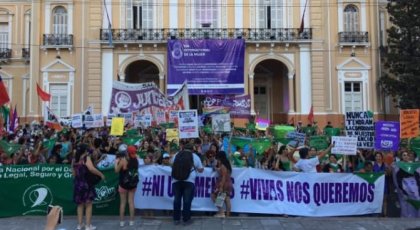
231 223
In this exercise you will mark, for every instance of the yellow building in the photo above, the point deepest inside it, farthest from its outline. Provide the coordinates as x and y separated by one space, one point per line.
332 64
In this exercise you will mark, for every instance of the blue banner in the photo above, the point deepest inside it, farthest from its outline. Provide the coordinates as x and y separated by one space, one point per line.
209 66
387 135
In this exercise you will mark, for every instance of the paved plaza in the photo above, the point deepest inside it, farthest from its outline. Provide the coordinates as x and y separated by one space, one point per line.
232 223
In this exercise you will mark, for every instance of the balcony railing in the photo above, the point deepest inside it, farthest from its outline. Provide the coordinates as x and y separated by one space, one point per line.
26 53
5 54
57 40
161 35
353 37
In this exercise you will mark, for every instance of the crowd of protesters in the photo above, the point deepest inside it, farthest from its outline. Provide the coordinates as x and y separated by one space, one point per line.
153 148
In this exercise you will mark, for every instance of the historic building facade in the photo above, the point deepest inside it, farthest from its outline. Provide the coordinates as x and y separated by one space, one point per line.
299 53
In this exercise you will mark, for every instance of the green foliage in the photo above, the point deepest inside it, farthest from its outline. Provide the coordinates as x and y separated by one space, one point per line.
402 59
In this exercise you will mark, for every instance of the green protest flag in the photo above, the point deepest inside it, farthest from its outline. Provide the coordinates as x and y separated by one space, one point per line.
169 125
284 141
141 154
131 132
240 141
131 140
5 112
403 143
414 203
415 145
9 148
238 162
408 167
261 145
319 142
309 131
280 131
369 177
207 129
240 129
49 144
332 132
251 127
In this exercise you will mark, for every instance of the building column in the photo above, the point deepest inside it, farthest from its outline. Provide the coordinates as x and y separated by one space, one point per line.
251 92
305 79
107 78
291 78
162 82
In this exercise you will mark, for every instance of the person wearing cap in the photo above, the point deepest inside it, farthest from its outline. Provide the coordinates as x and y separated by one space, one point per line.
166 159
126 162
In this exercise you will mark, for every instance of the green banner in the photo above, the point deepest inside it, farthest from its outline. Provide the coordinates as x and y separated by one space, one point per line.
332 132
29 189
319 142
280 131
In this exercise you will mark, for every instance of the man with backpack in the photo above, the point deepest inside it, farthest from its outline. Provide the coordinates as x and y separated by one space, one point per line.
185 165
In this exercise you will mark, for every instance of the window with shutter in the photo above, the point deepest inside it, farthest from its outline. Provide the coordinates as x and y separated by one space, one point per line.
59 100
270 14
351 19
139 14
60 20
353 97
206 13
4 35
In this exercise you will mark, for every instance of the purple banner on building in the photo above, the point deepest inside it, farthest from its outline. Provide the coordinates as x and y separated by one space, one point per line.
136 97
237 106
209 66
387 135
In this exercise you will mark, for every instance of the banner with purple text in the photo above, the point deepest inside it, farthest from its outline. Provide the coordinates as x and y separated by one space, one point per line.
209 66
270 192
387 135
237 106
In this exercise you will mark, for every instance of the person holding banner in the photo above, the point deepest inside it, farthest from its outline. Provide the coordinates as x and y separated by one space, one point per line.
304 164
223 184
84 194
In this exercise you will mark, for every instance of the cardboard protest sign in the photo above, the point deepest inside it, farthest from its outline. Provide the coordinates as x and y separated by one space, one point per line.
117 126
360 125
221 122
409 123
76 121
172 134
188 123
344 145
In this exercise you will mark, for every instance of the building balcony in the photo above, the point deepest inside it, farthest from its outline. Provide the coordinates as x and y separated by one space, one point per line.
353 38
26 55
5 54
57 41
283 35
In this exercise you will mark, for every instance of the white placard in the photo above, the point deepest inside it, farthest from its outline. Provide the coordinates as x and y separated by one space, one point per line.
188 123
344 145
221 122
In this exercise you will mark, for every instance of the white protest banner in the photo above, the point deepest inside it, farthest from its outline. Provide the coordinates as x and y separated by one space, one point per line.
297 137
269 192
160 117
88 121
360 125
188 123
221 122
143 120
76 121
173 117
109 119
344 145
128 118
98 120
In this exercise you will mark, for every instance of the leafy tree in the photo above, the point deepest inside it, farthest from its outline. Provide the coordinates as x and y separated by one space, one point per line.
401 79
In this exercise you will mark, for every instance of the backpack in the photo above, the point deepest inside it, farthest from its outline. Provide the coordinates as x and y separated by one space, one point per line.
130 177
183 165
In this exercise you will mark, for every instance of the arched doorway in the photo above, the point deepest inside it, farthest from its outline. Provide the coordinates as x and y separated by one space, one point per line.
142 71
271 90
